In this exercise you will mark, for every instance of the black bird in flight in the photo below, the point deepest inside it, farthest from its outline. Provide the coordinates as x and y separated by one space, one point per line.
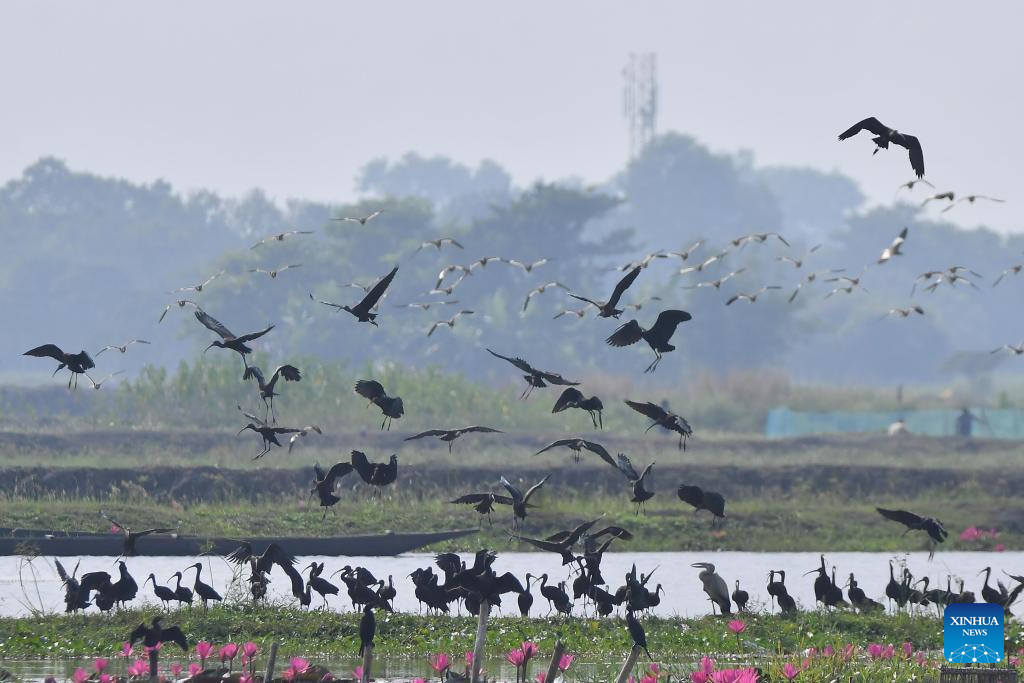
534 378
576 445
237 343
362 310
130 536
361 220
703 500
884 135
155 635
608 308
78 363
324 484
391 406
521 501
664 419
289 372
123 348
636 481
933 527
450 435
377 474
574 398
657 337
281 237
269 433
484 503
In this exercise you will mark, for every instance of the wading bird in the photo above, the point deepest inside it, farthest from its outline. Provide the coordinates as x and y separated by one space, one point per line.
391 406
700 499
289 372
438 243
657 337
534 378
521 501
608 308
77 363
281 237
361 220
267 432
640 495
971 198
636 633
894 249
123 347
363 310
750 297
164 594
450 435
885 135
933 527
130 536
378 474
261 565
273 273
182 594
229 340
714 586
319 584
155 635
740 597
574 398
198 288
325 483
367 628
664 419
576 445
450 322
203 591
540 290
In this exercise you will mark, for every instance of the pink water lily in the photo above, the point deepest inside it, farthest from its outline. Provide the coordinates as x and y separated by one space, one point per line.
194 670
699 677
357 673
175 669
649 679
889 652
228 651
515 657
469 659
908 649
245 678
848 651
541 677
654 668
790 671
737 626
152 648
565 662
439 662
875 650
921 658
139 668
80 675
126 650
204 649
100 665
828 651
529 649
299 664
105 678
250 649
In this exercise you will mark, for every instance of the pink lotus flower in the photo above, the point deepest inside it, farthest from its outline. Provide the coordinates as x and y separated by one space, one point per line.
299 664
908 649
529 649
828 651
357 673
707 665
889 652
566 661
439 662
289 674
250 649
970 534
737 626
1014 661
228 652
194 670
649 679
875 650
126 650
515 657
469 659
541 677
921 658
848 651
115 529
245 678
812 652
105 678
175 669
654 668
80 675
1000 547
204 650
699 677
790 671
419 680
100 665
139 668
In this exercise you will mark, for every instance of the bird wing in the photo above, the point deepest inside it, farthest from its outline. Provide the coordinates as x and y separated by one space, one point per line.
276 554
174 635
254 335
252 417
566 442
361 464
325 303
627 334
46 351
870 124
914 150
339 469
241 554
474 498
902 516
647 470
369 389
253 371
569 397
370 300
61 572
626 467
550 546
429 432
665 326
623 285
651 410
614 532
600 450
289 372
478 428
213 324
518 362
583 298
513 491
138 633
533 489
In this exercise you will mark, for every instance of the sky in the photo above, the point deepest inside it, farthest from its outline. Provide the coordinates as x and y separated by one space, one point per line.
294 97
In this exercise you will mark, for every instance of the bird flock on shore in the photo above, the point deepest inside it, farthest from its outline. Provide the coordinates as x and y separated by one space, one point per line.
582 548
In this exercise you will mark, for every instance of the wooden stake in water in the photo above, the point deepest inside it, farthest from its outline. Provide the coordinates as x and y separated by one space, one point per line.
269 676
481 640
634 654
367 663
556 659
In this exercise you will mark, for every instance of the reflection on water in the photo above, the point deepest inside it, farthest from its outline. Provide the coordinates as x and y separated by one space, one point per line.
40 587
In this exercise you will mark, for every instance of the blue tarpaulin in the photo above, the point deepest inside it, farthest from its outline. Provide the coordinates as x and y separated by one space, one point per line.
992 424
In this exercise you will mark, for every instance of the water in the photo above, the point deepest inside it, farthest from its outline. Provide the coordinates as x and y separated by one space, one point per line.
683 593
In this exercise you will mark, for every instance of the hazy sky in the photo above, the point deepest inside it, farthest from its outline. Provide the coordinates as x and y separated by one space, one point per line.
294 97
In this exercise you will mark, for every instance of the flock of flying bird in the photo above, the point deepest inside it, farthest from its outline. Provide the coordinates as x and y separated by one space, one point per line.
477 583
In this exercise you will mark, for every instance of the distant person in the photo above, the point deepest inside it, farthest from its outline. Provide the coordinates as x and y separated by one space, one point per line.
965 423
899 428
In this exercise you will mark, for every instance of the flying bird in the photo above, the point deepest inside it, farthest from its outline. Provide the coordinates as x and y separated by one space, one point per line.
909 185
324 484
798 262
699 268
526 266
683 255
1012 270
123 347
363 310
97 383
663 418
885 135
450 435
810 278
362 220
904 312
933 527
701 499
426 306
574 398
281 237
267 432
750 297
759 237
580 313
274 273
717 284
971 198
948 195
451 268
657 337
521 501
305 431
577 445
895 248
181 303
535 379
540 290
77 363
289 372
1016 350
378 474
199 287
131 536
228 339
391 406
156 635
438 243
640 494
450 322
608 308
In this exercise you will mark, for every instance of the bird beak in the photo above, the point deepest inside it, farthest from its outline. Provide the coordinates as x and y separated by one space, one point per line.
208 348
243 429
816 569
